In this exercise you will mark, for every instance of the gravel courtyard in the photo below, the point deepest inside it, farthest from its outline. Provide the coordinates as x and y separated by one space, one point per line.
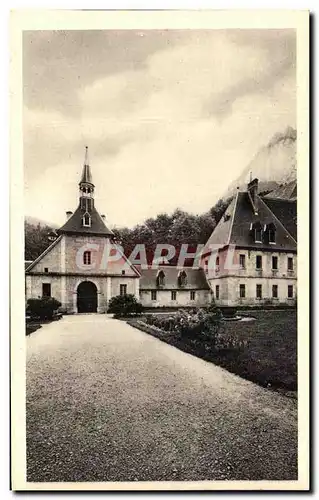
106 402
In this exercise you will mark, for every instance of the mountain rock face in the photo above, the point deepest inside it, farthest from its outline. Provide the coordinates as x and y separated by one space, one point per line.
275 165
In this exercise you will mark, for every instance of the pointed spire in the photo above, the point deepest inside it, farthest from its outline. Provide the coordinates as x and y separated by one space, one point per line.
86 172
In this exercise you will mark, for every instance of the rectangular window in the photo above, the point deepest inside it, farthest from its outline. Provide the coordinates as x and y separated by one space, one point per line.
258 262
290 264
272 235
290 291
46 269
217 264
173 295
217 292
87 258
274 263
259 291
242 261
275 291
123 289
192 295
46 289
153 295
242 291
258 235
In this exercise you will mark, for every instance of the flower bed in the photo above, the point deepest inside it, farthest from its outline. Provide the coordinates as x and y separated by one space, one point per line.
263 350
197 326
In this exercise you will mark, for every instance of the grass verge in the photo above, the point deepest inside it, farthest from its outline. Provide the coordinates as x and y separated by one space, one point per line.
269 358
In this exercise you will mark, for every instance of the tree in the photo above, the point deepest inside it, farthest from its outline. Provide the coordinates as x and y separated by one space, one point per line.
36 240
218 210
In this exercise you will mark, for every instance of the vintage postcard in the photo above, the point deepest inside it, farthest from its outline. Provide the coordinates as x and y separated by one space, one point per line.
159 250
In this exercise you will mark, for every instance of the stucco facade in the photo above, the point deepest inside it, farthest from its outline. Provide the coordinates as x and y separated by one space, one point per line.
62 267
184 298
229 280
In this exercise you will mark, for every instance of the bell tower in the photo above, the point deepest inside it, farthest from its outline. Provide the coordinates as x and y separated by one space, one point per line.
86 188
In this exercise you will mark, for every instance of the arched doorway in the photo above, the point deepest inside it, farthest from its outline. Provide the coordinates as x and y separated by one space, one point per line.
87 297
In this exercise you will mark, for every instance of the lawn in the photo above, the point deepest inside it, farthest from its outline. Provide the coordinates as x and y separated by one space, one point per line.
269 358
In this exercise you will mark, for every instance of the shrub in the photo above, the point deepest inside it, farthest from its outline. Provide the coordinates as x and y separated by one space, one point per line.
43 308
201 327
191 324
125 305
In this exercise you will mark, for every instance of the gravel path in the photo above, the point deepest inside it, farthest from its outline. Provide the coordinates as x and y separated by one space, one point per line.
106 402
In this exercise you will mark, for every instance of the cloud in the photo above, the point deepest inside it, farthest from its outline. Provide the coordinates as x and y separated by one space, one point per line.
169 125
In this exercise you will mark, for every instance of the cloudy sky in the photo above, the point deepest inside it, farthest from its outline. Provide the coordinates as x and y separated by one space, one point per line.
170 117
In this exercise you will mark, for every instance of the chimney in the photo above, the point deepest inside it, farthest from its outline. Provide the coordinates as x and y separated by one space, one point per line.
103 217
252 189
68 214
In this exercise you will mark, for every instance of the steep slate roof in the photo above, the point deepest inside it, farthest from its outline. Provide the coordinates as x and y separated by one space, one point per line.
195 279
74 224
221 233
285 211
284 192
234 229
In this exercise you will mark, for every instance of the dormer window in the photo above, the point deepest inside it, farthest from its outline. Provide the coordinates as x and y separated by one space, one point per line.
86 220
257 232
160 279
271 233
182 278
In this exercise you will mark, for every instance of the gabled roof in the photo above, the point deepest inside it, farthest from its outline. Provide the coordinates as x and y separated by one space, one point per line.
74 224
234 228
47 250
196 279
